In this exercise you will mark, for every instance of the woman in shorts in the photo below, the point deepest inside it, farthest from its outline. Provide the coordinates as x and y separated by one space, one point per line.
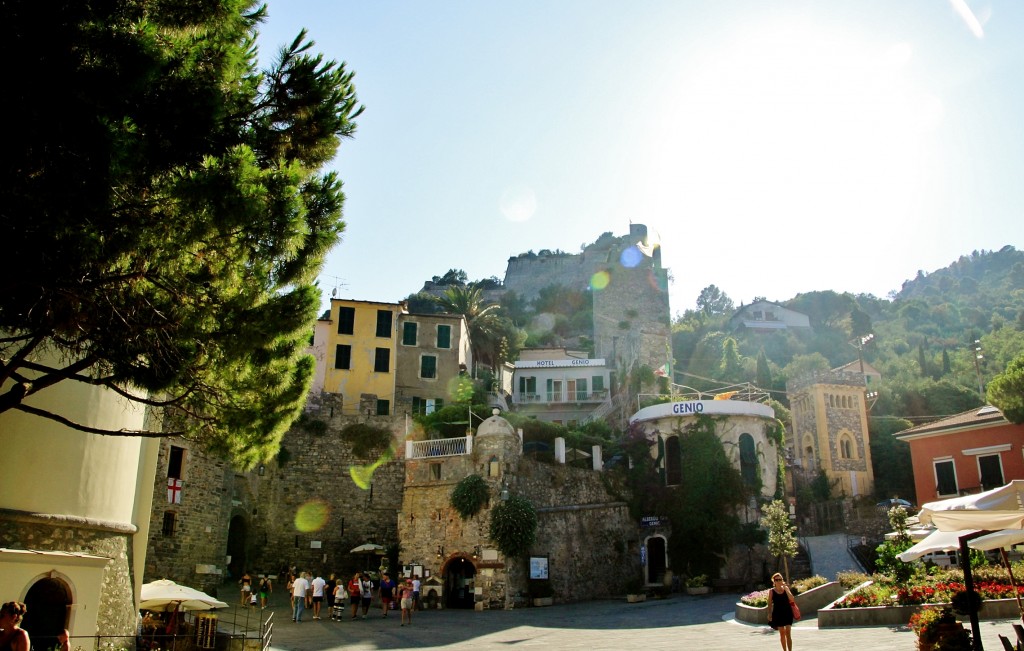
405 592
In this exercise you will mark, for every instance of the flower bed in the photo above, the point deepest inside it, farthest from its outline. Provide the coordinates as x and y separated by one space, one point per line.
809 603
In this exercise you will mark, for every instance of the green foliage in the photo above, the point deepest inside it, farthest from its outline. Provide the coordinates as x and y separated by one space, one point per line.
713 301
1007 391
781 539
887 563
167 210
890 457
366 440
470 495
513 527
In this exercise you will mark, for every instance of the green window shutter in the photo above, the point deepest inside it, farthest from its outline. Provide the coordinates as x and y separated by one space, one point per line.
383 407
384 318
419 405
346 320
382 360
409 333
438 403
550 388
428 366
581 389
598 381
444 336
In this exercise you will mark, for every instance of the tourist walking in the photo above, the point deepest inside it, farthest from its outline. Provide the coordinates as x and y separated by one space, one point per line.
340 595
355 590
406 601
265 589
386 592
13 637
780 611
365 593
318 586
246 583
300 593
329 592
416 593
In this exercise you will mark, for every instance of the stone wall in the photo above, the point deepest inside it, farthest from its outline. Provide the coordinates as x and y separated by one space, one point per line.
194 554
116 615
309 512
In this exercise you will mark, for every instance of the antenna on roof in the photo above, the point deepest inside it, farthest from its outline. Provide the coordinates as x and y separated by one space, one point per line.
339 282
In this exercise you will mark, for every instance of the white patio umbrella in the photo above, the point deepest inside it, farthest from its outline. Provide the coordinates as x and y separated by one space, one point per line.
992 510
168 595
936 541
368 548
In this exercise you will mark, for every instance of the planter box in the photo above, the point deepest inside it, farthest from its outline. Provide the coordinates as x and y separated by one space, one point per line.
543 601
810 602
701 590
635 598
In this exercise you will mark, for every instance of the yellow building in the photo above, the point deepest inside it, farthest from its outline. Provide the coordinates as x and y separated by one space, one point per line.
830 430
358 351
74 513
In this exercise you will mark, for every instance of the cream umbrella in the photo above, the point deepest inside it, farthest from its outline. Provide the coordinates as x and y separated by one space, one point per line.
168 595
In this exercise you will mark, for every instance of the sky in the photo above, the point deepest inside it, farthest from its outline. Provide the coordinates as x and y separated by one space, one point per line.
773 148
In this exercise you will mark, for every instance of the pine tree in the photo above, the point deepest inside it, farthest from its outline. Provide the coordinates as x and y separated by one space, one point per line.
165 212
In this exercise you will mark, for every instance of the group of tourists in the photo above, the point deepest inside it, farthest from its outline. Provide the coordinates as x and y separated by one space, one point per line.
308 593
259 596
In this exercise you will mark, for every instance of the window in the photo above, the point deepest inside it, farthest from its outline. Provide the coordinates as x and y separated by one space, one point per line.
598 382
581 390
382 360
758 315
990 469
673 462
527 387
845 447
748 460
444 336
435 471
409 333
428 366
343 356
384 323
169 521
383 407
769 315
176 462
346 320
945 478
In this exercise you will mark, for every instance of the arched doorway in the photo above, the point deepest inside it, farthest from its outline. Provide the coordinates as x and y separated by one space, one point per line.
48 604
237 530
459 581
655 560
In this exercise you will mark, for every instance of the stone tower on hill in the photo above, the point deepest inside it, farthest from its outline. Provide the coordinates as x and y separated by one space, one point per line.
632 318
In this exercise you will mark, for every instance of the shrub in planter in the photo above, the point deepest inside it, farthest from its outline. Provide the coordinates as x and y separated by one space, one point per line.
699 581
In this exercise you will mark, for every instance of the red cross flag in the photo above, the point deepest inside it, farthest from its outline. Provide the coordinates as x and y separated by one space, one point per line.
173 490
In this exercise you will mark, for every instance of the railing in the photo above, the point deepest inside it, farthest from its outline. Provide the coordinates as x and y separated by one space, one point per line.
600 395
438 448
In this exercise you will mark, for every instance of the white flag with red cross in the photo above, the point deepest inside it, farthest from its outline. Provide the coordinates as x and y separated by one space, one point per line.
173 490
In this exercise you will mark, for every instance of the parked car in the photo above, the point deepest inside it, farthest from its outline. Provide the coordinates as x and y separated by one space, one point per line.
909 507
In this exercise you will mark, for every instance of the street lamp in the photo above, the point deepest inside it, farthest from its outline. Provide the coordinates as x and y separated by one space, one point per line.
858 343
977 367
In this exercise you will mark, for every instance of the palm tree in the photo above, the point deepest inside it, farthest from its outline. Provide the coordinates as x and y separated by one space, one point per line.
483 322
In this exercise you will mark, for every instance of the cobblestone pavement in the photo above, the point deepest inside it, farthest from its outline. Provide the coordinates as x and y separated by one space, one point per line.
680 622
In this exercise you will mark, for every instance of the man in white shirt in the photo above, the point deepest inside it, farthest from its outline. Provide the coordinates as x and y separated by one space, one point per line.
318 595
300 592
416 593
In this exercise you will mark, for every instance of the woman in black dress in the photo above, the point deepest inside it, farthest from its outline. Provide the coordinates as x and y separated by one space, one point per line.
780 613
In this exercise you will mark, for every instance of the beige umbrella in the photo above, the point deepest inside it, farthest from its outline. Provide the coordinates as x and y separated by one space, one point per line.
168 595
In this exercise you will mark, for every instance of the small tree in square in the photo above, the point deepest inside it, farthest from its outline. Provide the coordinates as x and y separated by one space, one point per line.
781 539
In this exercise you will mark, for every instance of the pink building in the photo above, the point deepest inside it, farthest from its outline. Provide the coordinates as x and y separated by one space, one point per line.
966 453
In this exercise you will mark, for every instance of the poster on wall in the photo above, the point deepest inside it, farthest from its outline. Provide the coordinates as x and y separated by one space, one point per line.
538 567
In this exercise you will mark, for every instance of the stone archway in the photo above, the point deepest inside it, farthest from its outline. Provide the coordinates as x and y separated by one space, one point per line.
48 604
238 531
459 580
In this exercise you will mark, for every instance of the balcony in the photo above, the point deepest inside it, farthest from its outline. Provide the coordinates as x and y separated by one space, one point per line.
438 448
578 397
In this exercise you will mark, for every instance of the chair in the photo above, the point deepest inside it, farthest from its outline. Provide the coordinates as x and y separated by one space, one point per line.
1006 643
1020 633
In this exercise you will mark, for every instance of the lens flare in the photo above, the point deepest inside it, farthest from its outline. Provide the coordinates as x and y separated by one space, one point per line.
363 475
631 257
600 280
311 516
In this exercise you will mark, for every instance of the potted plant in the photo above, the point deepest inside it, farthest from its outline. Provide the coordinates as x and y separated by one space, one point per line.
697 584
635 590
541 592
